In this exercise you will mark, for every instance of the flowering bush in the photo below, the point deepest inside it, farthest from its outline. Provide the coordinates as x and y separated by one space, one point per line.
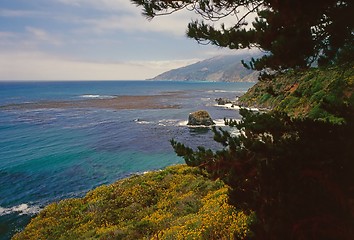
179 202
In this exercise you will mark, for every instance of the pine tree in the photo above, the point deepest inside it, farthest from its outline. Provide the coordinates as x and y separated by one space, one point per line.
294 33
297 175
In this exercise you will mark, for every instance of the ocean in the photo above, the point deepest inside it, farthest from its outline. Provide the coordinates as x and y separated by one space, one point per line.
61 139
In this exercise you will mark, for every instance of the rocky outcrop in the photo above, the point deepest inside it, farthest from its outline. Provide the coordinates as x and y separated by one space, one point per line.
223 101
200 117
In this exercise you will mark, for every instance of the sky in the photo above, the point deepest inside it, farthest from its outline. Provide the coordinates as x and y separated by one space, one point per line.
92 40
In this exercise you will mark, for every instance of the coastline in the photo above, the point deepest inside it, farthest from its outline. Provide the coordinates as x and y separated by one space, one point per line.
71 139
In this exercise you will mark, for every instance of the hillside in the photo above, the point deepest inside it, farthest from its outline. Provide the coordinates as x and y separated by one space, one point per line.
226 68
178 202
324 94
282 167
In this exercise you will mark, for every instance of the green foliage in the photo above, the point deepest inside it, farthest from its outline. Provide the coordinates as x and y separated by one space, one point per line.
294 33
265 97
322 94
178 202
296 174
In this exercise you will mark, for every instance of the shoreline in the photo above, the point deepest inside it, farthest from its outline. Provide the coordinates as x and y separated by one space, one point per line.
235 106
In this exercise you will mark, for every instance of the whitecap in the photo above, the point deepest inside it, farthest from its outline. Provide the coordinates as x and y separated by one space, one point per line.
143 122
96 96
22 209
182 123
253 109
90 96
224 91
168 122
140 121
228 106
199 126
237 107
219 122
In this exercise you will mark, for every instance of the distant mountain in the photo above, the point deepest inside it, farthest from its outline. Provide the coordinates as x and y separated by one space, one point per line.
225 68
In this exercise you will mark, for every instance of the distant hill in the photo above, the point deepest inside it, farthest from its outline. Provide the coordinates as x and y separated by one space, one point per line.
225 68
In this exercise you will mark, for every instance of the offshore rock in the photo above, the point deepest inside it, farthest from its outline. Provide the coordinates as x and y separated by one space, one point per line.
200 117
222 101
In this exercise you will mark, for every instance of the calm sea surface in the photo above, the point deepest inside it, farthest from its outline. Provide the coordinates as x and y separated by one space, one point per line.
48 154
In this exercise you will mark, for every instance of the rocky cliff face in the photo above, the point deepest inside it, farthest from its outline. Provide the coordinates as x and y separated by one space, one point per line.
226 68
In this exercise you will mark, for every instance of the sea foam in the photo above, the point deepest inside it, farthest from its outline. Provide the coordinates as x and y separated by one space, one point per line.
96 96
22 209
236 107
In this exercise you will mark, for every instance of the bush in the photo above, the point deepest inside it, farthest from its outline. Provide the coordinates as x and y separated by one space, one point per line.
179 202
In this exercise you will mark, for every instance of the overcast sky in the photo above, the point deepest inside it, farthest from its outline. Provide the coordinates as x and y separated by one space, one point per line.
91 40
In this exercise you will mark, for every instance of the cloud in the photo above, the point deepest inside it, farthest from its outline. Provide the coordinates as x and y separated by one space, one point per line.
104 5
40 66
6 35
71 2
42 36
86 39
124 16
30 39
173 25
20 13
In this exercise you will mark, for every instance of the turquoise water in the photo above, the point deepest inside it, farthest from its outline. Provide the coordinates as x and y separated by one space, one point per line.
50 154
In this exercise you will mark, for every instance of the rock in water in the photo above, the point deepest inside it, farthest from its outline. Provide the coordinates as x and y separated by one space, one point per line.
222 101
200 117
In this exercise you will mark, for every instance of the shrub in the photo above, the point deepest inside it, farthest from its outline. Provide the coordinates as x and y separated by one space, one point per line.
174 203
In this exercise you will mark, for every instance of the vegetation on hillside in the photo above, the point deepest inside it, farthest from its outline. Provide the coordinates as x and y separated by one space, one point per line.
178 202
322 94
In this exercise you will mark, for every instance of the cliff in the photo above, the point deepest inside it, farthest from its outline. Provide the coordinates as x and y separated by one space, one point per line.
323 94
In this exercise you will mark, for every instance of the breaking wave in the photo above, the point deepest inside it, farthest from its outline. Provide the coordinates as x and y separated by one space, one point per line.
96 96
22 209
